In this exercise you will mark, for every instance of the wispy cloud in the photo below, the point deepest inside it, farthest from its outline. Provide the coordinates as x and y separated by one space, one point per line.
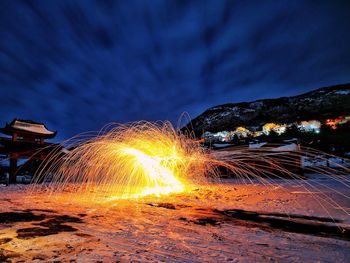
79 65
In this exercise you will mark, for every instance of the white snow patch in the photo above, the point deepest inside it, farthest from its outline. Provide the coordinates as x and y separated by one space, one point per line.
221 145
342 92
256 145
289 147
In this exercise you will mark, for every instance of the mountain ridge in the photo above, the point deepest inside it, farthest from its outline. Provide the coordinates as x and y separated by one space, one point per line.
319 104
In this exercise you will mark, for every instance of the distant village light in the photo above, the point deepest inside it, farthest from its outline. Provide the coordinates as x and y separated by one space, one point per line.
242 132
278 128
333 123
310 126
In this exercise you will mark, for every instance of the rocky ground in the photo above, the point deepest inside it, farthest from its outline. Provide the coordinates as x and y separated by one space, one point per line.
285 221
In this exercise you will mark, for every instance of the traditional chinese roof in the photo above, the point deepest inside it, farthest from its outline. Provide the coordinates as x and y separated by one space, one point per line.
27 127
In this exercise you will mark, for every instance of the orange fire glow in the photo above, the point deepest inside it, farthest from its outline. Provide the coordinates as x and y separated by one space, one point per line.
333 123
130 162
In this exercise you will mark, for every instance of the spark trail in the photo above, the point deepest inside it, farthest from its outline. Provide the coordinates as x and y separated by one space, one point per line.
129 161
145 159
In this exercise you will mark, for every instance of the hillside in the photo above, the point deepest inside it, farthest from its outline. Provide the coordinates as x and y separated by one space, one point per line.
320 104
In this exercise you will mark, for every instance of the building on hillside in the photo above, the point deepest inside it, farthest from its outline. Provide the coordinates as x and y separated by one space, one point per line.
242 132
333 123
223 136
310 126
278 128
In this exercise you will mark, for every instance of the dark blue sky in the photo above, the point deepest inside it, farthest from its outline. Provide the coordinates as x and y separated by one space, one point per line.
78 65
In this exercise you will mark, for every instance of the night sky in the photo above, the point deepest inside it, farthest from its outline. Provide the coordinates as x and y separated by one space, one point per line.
78 65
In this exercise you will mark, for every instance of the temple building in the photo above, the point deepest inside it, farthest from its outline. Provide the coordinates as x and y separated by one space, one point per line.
25 140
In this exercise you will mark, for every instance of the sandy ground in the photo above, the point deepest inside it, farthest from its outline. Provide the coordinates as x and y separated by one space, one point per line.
228 221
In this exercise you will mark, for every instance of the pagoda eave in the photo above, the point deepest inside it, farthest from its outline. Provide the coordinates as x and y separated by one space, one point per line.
10 131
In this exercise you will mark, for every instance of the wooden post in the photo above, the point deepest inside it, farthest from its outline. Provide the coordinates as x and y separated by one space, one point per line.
13 169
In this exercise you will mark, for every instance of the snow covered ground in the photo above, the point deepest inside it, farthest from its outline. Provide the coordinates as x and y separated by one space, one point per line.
227 221
333 162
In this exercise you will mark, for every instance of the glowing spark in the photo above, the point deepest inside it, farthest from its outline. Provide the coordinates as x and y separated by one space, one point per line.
144 159
159 177
130 161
